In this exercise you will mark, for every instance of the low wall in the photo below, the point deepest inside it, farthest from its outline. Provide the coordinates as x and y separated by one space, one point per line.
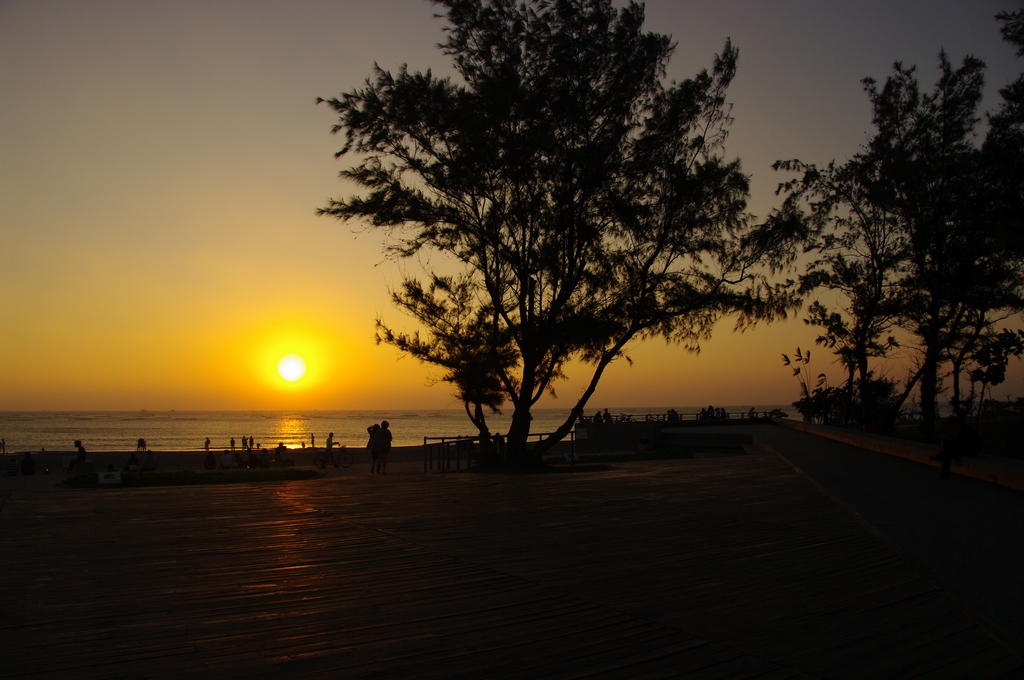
1002 471
610 437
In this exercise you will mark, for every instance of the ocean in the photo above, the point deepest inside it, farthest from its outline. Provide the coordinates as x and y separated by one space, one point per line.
187 430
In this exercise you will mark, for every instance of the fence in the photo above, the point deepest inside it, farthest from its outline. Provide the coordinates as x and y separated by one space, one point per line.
443 447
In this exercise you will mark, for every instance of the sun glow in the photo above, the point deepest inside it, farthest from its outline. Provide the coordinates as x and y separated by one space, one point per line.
291 367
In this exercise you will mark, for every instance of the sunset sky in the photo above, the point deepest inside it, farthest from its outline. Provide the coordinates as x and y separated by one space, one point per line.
161 164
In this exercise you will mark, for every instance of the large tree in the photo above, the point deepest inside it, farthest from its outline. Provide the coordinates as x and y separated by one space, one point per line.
587 201
959 274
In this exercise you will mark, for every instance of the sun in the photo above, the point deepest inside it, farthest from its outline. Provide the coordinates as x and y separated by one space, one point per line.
291 367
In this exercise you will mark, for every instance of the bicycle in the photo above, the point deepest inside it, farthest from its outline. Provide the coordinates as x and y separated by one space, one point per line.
339 456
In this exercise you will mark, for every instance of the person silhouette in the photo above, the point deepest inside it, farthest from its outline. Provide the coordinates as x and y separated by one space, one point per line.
140 445
232 443
383 446
206 444
133 463
371 446
80 458
330 445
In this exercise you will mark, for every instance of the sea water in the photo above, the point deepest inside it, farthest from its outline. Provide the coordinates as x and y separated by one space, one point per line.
188 430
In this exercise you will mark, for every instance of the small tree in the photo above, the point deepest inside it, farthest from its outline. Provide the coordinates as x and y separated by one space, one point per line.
823 404
860 248
587 201
990 360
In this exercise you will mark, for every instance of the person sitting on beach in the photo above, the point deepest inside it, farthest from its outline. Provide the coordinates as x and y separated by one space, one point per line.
149 462
281 455
752 414
209 463
266 460
607 416
132 465
28 466
252 461
80 458
227 460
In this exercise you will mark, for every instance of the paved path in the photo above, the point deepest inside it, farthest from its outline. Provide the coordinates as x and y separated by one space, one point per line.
967 532
733 567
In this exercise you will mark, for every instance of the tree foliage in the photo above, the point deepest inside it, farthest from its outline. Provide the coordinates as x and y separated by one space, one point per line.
587 201
920 229
859 249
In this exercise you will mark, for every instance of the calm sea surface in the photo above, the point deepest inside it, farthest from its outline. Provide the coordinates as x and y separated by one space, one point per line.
186 430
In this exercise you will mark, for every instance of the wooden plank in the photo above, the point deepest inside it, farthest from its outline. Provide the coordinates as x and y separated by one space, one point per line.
710 568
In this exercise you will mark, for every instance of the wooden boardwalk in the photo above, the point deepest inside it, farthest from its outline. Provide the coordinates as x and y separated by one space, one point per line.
715 568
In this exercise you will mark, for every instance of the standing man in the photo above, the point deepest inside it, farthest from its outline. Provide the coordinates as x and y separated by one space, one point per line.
78 459
383 446
371 445
330 445
312 440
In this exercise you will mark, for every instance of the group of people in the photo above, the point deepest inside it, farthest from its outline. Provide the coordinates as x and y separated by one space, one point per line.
256 458
247 444
604 417
379 445
712 413
147 464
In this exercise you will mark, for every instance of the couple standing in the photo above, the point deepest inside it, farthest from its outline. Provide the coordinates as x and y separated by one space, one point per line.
379 446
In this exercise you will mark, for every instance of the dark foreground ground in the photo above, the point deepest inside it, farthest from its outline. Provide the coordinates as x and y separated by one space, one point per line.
727 567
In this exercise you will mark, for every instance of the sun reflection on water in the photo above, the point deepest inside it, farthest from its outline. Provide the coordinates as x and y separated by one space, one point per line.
292 430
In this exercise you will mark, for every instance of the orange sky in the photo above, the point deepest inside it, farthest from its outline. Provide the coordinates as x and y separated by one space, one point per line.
161 162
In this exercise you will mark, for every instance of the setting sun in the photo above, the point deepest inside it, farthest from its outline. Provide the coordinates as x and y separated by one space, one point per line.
291 367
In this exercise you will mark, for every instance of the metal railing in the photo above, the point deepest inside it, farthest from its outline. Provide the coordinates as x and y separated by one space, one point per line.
443 448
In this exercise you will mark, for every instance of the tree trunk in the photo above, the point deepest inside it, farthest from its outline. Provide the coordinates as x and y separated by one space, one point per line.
518 433
581 403
849 396
478 419
862 388
929 392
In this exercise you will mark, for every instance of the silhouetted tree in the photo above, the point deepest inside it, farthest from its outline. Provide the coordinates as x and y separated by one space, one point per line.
587 201
860 248
932 178
990 359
